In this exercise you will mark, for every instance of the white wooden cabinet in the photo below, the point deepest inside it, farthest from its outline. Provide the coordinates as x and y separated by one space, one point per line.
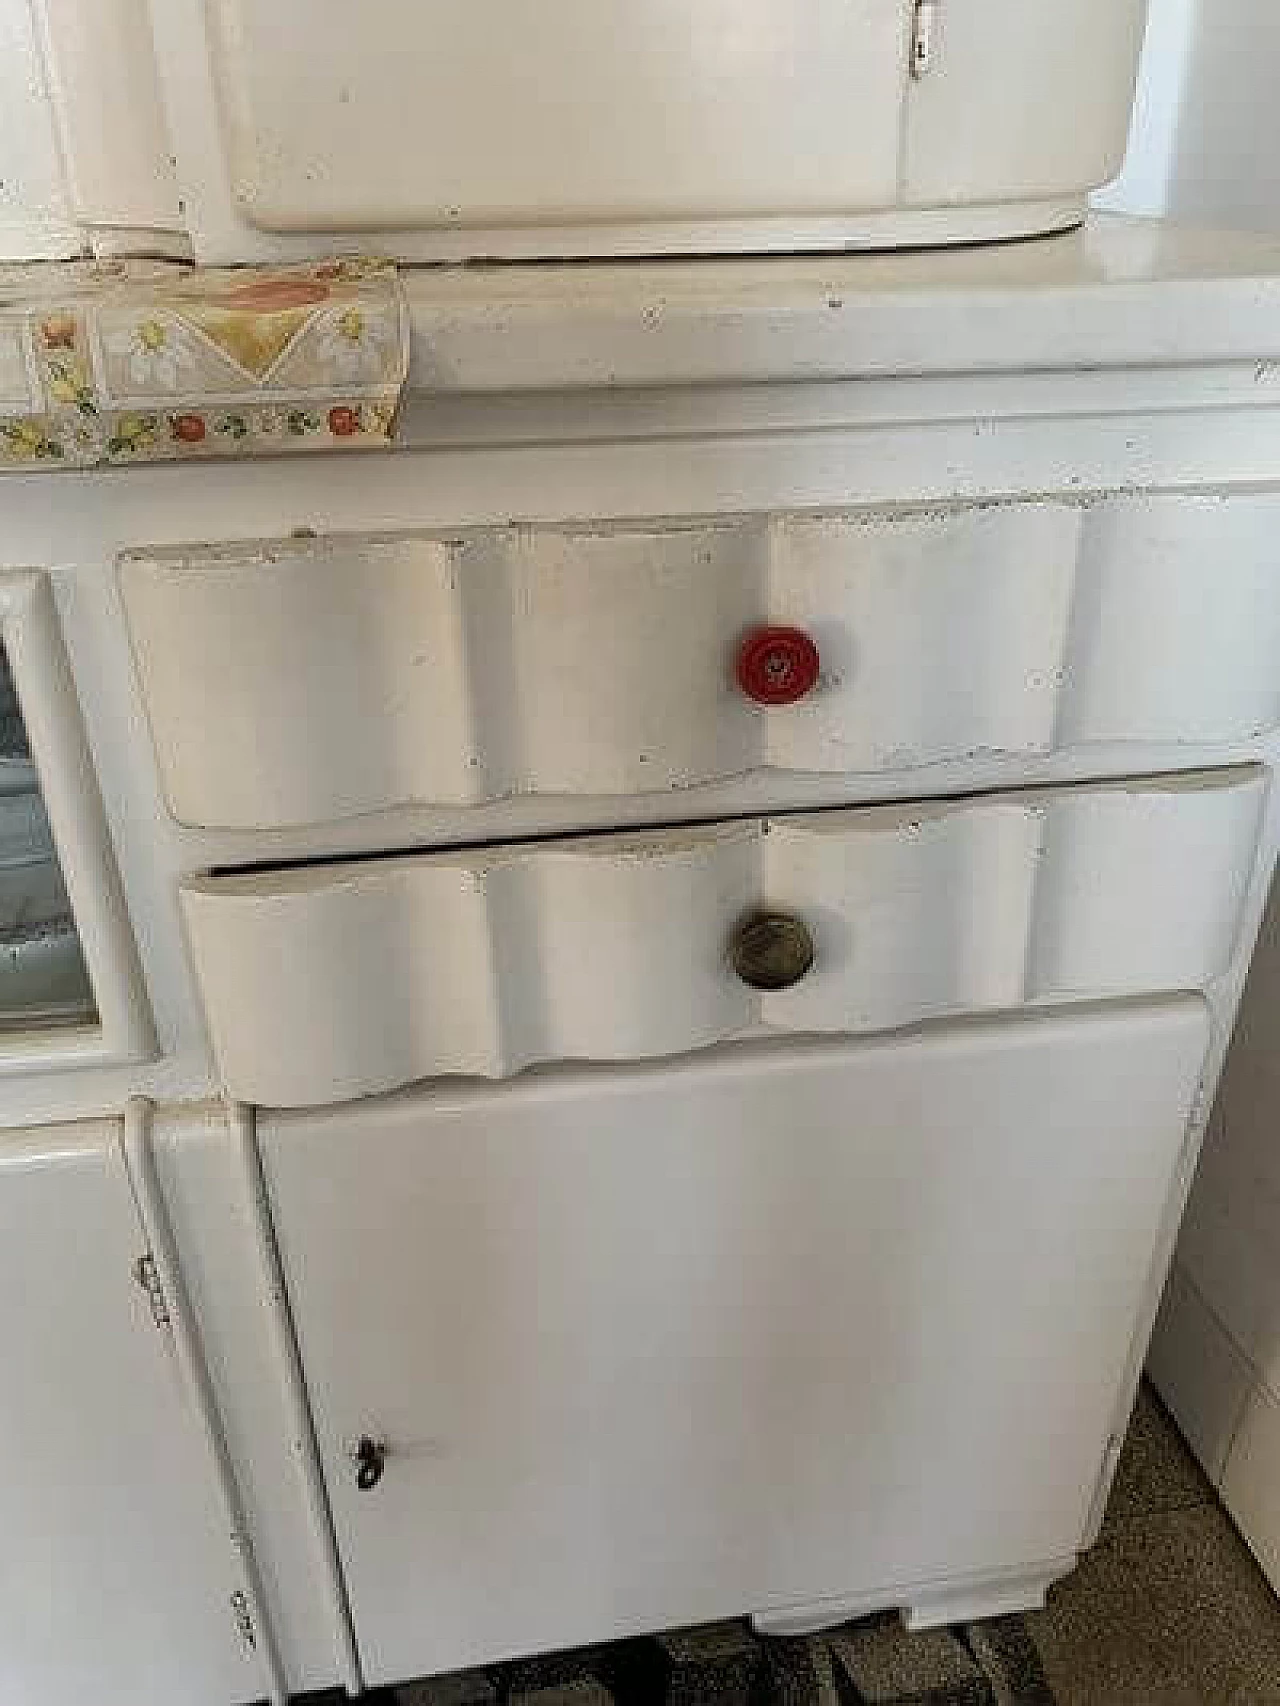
697 1297
445 129
607 128
85 164
116 1579
840 1324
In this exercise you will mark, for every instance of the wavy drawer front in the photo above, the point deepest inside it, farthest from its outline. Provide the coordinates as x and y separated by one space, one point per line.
307 681
335 981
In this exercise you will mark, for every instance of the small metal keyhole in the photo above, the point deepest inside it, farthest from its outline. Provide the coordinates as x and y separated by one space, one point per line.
771 950
371 1460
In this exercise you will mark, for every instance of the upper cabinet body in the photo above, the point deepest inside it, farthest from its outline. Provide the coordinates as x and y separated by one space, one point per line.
447 129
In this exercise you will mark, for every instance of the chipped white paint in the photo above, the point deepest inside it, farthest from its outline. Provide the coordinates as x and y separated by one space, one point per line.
333 981
300 682
615 128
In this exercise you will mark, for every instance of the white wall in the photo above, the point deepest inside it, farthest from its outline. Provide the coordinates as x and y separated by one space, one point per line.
1205 150
1206 139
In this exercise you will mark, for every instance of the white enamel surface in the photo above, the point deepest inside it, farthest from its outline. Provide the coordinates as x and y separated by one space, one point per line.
1126 356
1217 1356
50 712
302 682
1036 98
730 1335
1124 301
1229 1245
36 222
114 1581
85 165
333 981
105 97
1201 1374
1206 133
608 128
601 109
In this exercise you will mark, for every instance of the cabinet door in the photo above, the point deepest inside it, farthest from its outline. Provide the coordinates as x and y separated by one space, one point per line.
114 1581
1023 99
657 1345
36 220
448 114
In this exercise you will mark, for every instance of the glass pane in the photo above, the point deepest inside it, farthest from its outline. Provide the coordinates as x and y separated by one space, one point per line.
43 977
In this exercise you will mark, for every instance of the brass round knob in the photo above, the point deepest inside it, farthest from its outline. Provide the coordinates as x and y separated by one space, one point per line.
771 950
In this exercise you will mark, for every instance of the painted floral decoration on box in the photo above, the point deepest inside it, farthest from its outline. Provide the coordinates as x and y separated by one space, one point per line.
128 361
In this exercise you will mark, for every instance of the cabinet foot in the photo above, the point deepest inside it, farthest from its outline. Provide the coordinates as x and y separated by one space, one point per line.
978 1599
796 1620
965 1599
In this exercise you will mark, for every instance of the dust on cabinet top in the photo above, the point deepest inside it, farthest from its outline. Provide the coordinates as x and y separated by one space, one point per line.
1117 293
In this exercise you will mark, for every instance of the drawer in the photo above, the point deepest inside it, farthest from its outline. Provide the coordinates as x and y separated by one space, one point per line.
648 1346
330 981
307 682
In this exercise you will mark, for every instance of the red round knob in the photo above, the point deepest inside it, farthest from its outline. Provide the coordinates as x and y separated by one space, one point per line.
777 666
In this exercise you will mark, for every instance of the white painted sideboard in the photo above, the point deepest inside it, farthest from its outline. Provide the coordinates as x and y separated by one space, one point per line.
670 1148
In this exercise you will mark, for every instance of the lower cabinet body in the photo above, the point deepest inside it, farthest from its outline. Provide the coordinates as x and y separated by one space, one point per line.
767 1330
116 1575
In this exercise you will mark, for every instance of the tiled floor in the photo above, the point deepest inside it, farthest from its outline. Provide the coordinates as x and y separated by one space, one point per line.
1169 1610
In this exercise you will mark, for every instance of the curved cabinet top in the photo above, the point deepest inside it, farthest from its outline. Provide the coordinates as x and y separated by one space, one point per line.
445 129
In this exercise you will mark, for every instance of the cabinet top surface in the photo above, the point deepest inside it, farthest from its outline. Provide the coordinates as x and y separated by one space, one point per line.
1117 292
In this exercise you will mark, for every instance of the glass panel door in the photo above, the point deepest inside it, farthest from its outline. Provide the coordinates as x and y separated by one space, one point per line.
43 977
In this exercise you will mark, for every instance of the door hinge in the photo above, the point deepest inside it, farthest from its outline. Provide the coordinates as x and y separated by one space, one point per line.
147 1274
924 37
243 1619
1106 1475
1195 1130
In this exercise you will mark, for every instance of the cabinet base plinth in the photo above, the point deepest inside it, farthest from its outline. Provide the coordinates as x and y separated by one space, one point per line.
968 1599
